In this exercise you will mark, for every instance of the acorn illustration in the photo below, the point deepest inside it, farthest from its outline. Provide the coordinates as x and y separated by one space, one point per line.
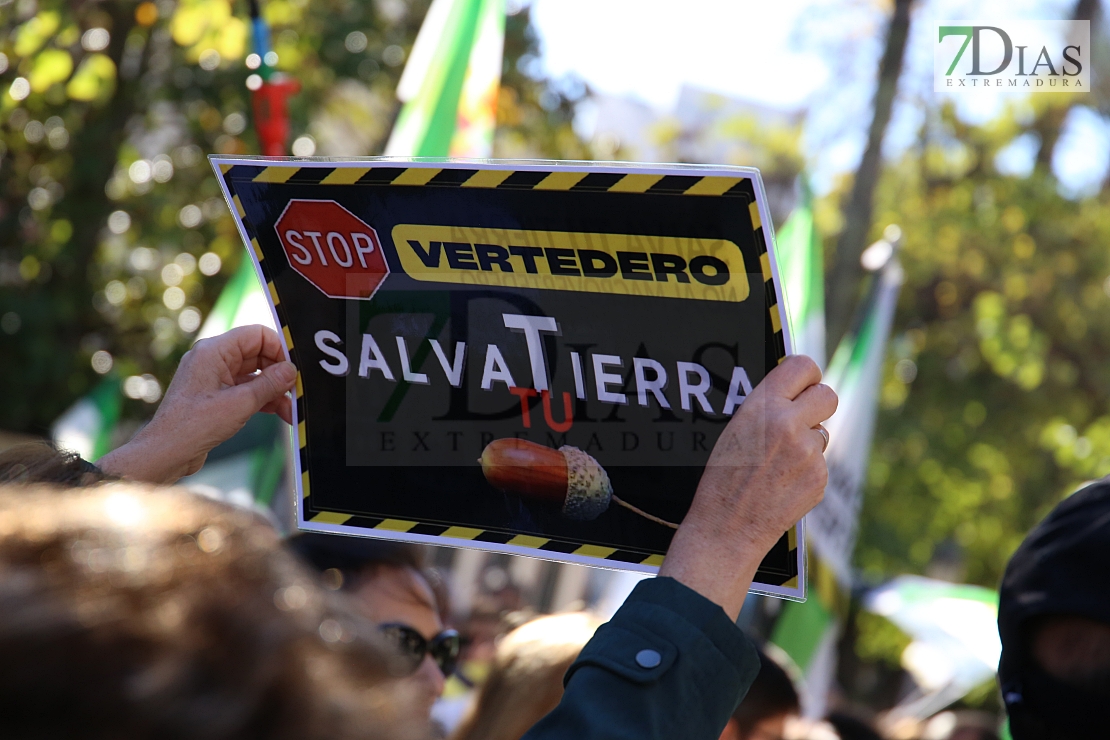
567 477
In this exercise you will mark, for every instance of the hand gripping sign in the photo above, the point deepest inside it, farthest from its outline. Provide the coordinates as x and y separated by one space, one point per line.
533 358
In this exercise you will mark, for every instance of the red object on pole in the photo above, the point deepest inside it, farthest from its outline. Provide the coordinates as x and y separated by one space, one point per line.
271 114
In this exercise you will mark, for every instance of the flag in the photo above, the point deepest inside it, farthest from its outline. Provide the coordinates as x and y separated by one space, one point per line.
855 373
955 645
808 631
800 258
450 84
477 115
86 427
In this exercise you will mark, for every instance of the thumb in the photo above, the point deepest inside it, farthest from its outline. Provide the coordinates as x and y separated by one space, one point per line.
269 385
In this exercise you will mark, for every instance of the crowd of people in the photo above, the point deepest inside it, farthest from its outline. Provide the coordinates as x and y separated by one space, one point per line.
130 608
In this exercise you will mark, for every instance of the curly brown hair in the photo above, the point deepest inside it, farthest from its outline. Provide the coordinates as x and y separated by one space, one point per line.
134 612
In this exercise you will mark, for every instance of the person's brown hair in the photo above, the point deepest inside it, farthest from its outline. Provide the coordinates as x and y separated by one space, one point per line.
130 611
348 562
42 462
526 679
355 557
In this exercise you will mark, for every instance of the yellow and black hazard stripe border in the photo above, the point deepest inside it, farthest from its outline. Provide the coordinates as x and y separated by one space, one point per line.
738 187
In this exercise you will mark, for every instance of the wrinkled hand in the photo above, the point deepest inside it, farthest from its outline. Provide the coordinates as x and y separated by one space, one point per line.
220 383
765 472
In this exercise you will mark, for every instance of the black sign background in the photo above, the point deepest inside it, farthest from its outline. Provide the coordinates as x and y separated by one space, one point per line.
382 456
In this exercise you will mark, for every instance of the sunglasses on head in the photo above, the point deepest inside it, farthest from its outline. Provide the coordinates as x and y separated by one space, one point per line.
444 647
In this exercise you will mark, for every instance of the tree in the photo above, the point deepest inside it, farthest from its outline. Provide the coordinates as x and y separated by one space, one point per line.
116 240
996 396
994 404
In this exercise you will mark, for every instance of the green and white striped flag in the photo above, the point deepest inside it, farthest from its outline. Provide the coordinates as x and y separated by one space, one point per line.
449 87
476 120
855 373
808 631
800 259
955 645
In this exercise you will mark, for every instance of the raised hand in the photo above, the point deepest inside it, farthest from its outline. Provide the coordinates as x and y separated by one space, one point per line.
220 383
766 471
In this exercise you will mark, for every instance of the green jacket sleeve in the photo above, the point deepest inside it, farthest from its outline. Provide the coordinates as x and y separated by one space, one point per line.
669 665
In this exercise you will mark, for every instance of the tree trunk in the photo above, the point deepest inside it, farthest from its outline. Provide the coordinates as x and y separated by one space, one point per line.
1050 121
60 312
843 279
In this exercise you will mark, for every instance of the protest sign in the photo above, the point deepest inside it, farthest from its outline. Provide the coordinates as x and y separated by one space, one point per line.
525 357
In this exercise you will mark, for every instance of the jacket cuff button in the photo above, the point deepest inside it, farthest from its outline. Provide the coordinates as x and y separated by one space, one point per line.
648 658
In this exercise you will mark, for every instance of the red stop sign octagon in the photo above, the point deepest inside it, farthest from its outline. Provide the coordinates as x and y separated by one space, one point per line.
332 248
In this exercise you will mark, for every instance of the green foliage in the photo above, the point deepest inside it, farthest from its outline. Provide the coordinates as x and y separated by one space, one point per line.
534 114
985 698
114 236
996 391
879 640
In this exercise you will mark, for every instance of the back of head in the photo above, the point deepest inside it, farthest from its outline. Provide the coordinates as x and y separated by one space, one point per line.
1060 575
526 679
772 694
850 727
352 556
129 611
42 462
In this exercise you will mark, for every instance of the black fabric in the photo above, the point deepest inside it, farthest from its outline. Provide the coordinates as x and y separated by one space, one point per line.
1044 708
706 667
619 650
1062 568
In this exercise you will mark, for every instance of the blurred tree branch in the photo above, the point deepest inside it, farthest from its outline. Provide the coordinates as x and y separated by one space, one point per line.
114 238
1049 122
844 276
87 205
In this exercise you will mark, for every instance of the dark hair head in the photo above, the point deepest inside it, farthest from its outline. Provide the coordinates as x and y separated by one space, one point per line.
1061 569
771 694
155 613
42 462
851 727
354 557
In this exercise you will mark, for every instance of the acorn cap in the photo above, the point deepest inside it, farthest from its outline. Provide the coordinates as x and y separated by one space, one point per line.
588 487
